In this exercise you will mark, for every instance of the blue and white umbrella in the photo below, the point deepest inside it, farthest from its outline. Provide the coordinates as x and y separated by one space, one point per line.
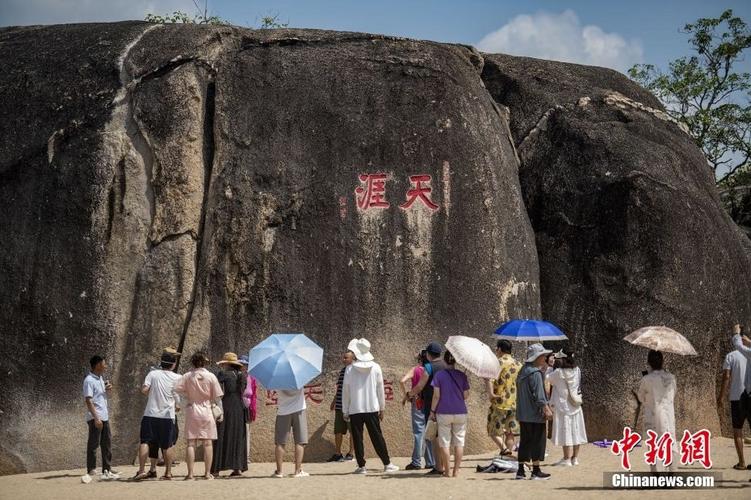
529 330
285 361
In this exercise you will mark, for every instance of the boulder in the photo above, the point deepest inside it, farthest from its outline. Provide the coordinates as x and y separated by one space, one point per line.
204 186
630 232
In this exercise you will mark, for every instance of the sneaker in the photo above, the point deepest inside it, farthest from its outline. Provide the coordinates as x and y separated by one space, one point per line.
86 478
109 476
277 475
520 476
574 461
335 458
361 470
538 474
390 468
412 466
349 457
302 473
94 472
434 472
151 474
564 461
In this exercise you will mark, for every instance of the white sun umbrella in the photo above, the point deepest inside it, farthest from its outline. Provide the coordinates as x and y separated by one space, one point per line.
474 355
663 339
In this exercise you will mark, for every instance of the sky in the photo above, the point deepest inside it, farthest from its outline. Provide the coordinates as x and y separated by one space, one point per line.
604 33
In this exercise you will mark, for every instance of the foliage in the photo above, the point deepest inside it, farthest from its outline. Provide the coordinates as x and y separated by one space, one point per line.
705 92
201 16
272 22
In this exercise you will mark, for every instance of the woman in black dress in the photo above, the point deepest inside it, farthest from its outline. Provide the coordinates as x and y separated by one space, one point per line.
230 452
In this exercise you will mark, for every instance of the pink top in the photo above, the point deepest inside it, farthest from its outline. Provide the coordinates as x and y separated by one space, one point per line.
416 375
250 398
201 388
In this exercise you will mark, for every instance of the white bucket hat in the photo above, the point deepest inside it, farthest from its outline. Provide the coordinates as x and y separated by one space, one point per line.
361 348
535 351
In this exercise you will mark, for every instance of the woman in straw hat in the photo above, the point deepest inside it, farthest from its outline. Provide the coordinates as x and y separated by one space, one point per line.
230 451
202 389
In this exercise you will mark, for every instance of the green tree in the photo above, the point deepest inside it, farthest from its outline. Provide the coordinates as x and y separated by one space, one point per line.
706 93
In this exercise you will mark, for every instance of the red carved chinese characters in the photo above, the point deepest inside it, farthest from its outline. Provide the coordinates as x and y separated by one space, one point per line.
388 389
373 193
625 445
695 448
314 393
419 192
661 448
271 398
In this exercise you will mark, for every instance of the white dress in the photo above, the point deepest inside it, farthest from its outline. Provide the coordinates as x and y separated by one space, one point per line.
657 395
568 419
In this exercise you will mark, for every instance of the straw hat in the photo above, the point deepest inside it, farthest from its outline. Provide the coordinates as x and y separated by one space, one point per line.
230 358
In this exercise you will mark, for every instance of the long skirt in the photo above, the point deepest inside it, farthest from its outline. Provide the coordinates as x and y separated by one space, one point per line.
569 430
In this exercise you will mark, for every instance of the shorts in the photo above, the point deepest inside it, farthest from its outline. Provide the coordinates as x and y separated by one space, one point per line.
501 422
160 431
740 411
297 421
340 425
451 429
154 448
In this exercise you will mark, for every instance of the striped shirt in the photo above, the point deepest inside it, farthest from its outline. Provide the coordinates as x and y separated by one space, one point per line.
339 383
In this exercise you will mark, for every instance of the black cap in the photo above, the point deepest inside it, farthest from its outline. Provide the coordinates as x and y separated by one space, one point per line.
168 359
434 348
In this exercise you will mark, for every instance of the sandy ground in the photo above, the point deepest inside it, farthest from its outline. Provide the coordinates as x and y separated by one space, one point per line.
336 481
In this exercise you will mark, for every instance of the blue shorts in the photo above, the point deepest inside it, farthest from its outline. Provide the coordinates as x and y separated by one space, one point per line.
158 431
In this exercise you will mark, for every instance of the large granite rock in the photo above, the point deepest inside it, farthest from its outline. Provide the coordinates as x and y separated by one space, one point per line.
196 186
629 229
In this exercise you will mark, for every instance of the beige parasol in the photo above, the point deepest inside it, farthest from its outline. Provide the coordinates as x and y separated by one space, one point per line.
661 338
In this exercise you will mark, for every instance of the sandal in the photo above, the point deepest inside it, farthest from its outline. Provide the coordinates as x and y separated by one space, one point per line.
188 478
165 478
140 476
738 466
208 477
507 453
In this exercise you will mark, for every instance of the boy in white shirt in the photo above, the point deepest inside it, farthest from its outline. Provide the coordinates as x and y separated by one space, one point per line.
290 414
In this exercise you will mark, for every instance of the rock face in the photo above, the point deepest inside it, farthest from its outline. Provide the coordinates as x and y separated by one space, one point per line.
206 186
629 232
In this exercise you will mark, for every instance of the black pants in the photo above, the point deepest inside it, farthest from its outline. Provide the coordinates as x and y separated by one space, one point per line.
373 424
99 437
531 441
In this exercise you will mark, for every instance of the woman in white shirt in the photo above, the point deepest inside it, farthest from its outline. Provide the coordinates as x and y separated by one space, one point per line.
569 431
657 395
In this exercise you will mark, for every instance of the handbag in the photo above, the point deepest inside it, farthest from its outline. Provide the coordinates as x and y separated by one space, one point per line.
218 412
431 430
573 396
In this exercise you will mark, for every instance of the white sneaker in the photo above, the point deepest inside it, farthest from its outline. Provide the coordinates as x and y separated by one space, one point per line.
361 470
390 468
86 479
302 473
109 476
277 475
564 461
574 461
